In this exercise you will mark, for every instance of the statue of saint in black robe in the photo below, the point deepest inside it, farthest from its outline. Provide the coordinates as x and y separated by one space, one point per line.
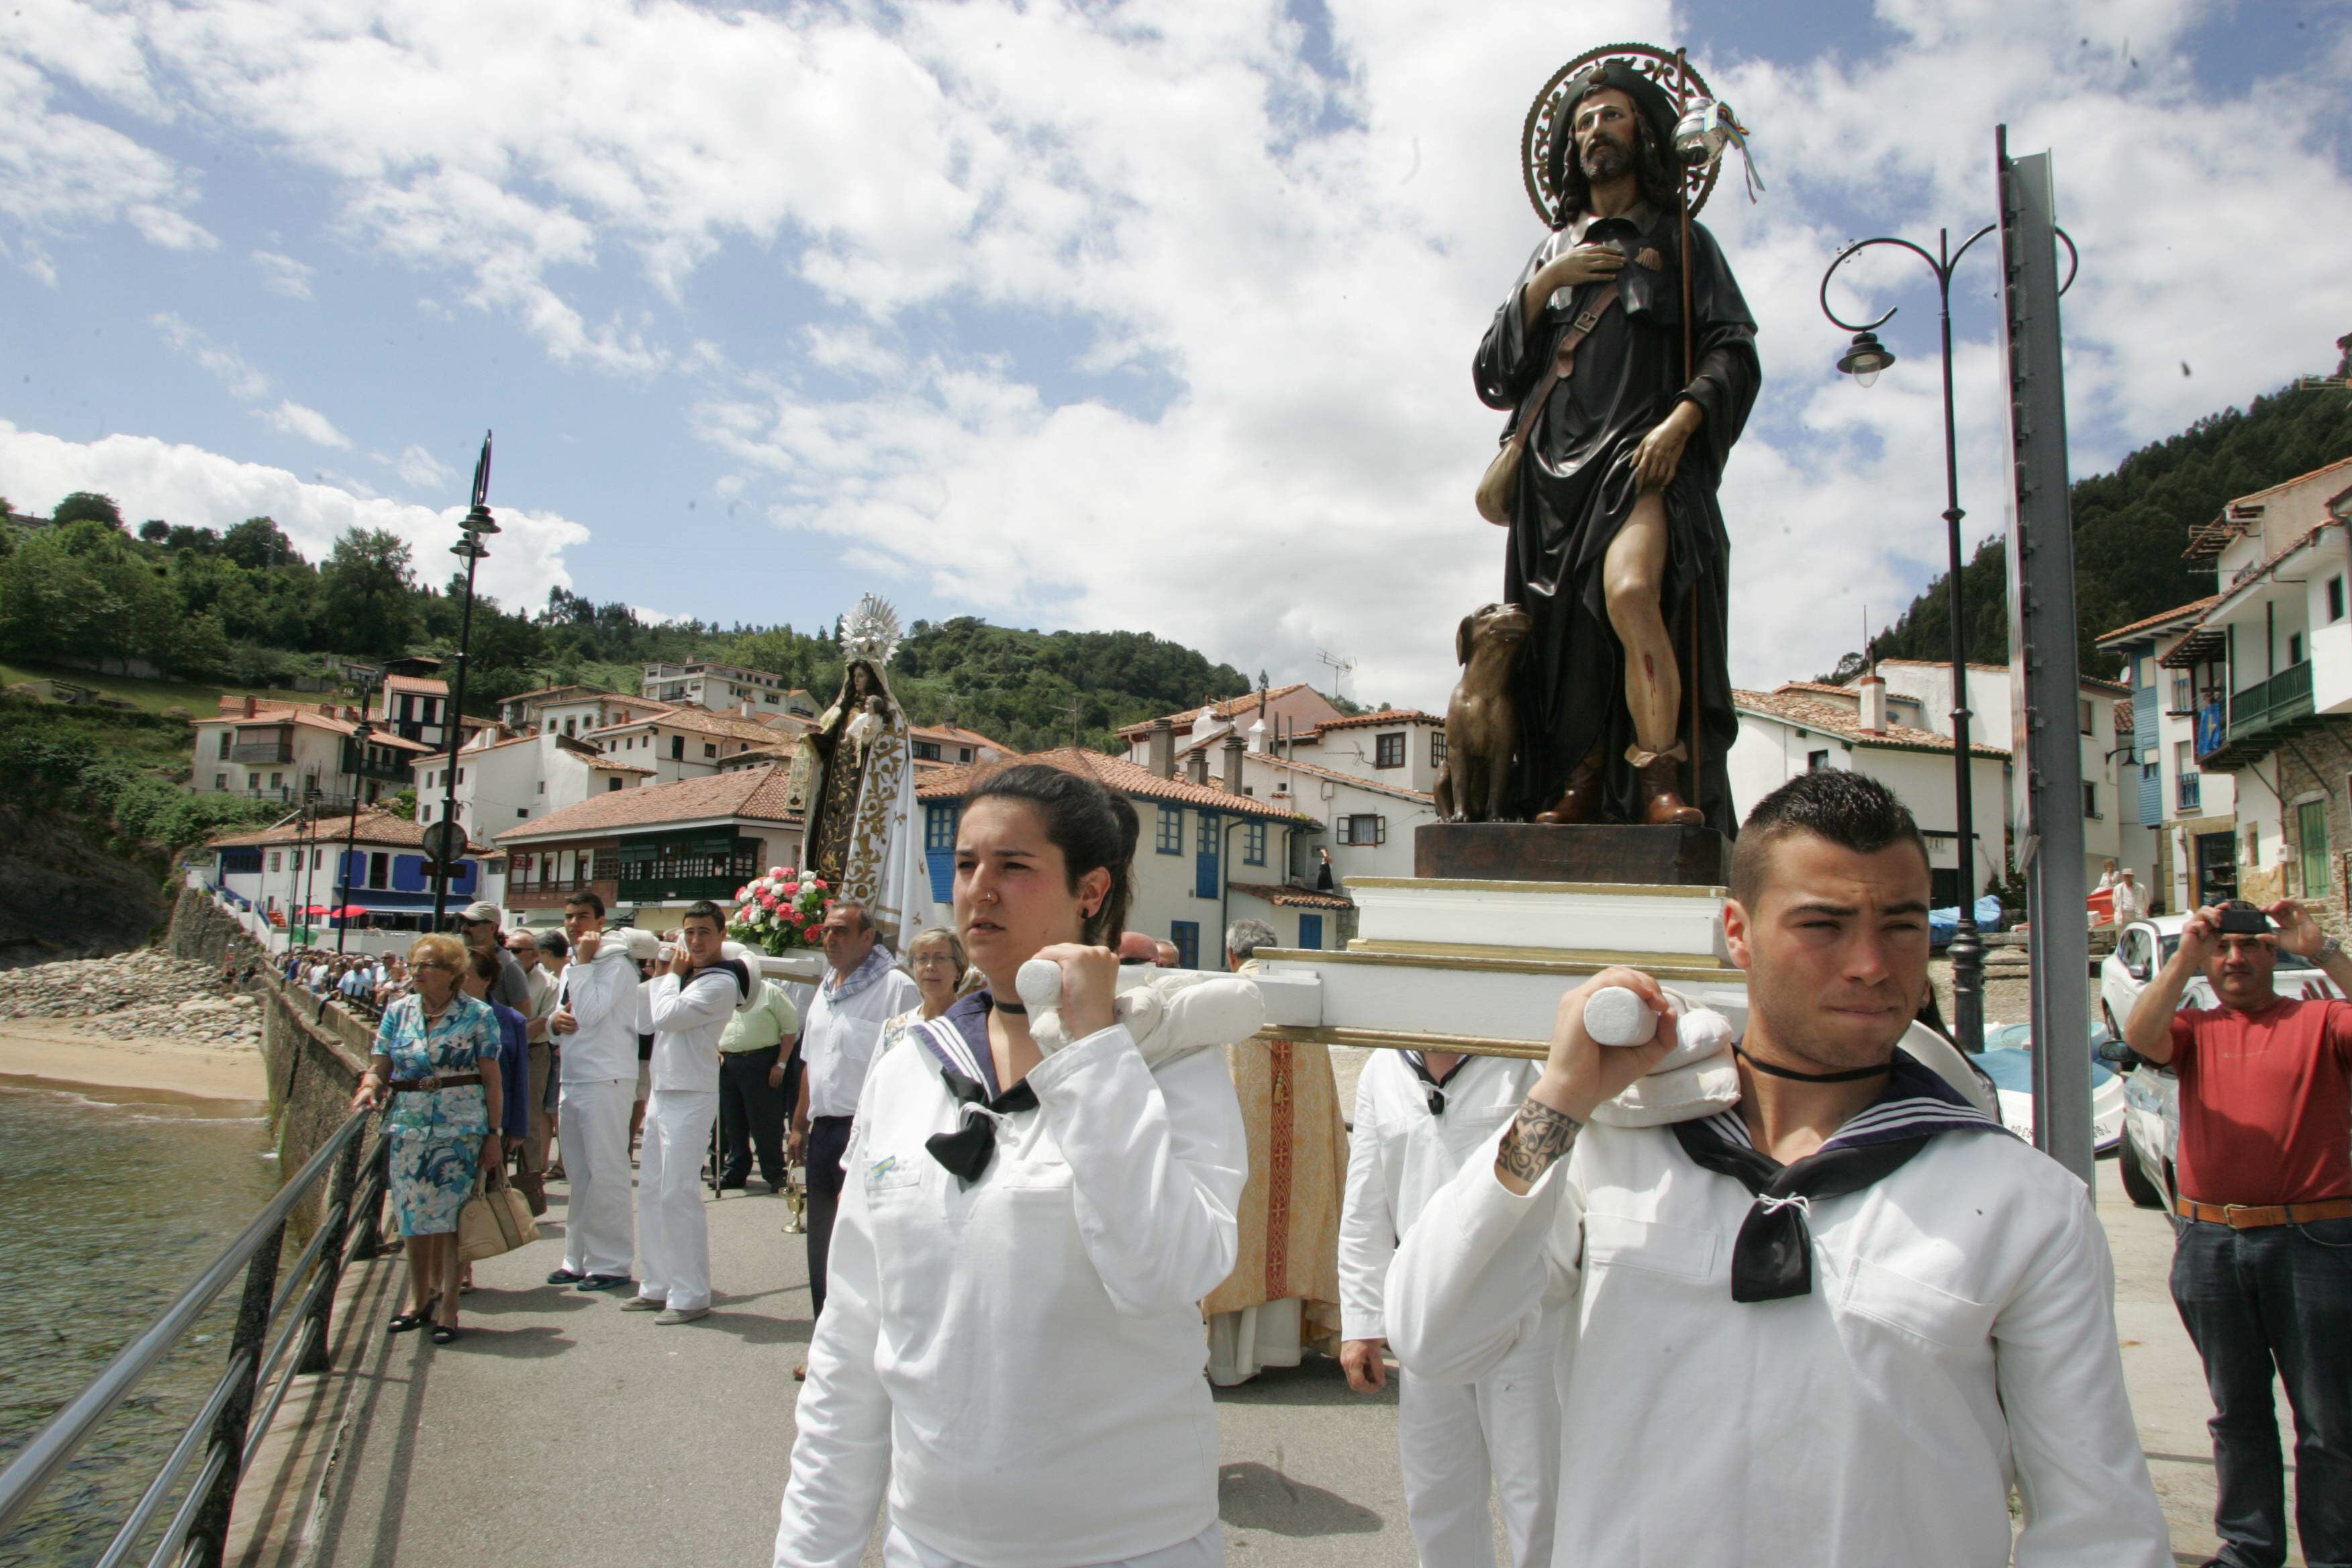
1576 487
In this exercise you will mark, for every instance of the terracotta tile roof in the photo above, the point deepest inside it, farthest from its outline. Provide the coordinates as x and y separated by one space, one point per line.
1826 687
1320 772
433 684
1224 709
1385 716
2191 610
1829 719
1112 772
606 765
378 829
751 795
1293 897
585 690
699 721
955 735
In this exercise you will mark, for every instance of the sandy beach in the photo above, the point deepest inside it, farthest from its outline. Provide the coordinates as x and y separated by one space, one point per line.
50 1049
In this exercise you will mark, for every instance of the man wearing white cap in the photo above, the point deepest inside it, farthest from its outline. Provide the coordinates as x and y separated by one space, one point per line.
690 1001
596 1019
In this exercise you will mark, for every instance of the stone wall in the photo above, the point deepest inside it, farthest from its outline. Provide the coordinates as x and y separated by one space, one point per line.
202 930
2318 761
312 1051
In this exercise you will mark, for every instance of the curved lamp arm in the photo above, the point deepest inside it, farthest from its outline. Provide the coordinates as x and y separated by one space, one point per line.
1942 269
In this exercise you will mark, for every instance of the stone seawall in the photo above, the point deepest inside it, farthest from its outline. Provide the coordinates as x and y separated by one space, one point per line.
312 1051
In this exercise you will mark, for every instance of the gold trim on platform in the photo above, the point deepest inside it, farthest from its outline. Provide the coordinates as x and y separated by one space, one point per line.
1482 885
1598 958
1381 1039
1481 963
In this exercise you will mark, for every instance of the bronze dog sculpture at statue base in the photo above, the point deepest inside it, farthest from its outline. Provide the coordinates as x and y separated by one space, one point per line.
1482 720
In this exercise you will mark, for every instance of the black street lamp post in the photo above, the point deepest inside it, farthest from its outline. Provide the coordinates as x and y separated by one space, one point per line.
1862 360
477 523
360 738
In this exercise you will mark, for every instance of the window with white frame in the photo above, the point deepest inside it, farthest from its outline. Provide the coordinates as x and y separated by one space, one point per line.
1171 839
1253 844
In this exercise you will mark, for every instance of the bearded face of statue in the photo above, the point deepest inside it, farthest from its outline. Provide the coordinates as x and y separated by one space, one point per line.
1605 132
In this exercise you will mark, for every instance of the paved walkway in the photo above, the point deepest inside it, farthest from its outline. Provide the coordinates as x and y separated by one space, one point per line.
564 1431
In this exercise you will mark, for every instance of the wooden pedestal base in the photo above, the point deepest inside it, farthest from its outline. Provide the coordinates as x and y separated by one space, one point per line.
1609 852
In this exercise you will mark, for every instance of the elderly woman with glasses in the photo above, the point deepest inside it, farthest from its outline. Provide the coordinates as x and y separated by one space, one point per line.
437 1061
936 959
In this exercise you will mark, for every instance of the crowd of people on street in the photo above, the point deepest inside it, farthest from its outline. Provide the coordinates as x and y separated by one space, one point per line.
1854 1250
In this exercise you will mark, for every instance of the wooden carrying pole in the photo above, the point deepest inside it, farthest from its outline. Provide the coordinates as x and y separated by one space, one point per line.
1690 369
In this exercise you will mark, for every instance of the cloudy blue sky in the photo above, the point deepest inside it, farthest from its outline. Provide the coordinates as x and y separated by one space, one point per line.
1152 315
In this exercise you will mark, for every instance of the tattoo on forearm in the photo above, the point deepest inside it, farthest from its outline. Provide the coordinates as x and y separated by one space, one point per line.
1540 1139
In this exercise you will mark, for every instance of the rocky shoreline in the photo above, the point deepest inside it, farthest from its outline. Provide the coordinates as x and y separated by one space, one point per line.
143 996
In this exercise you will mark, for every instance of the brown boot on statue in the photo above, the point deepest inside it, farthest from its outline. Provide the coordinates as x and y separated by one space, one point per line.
1661 806
1581 800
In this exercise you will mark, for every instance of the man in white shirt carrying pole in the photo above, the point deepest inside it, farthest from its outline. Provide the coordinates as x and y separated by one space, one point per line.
691 1003
1832 1325
597 1022
863 991
1419 1119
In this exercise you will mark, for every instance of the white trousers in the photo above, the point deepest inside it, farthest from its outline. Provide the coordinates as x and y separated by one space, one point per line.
597 1229
1206 1549
1457 1440
673 1237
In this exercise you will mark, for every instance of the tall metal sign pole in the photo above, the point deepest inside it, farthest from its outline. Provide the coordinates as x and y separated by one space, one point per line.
2045 684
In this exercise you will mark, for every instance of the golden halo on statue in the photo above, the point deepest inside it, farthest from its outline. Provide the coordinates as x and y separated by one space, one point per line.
1677 79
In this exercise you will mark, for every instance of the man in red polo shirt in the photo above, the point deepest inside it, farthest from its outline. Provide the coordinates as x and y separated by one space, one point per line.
2263 1274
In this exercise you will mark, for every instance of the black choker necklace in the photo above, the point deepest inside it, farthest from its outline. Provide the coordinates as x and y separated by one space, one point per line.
1853 1075
1015 1008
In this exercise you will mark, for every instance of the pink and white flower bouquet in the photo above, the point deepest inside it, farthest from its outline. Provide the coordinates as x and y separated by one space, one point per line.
780 911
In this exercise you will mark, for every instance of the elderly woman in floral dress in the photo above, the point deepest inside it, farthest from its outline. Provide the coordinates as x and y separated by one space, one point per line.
436 1060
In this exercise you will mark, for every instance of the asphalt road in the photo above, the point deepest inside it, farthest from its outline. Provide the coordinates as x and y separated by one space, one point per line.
567 1431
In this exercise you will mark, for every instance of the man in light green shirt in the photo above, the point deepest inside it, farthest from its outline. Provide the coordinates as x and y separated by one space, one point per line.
751 1098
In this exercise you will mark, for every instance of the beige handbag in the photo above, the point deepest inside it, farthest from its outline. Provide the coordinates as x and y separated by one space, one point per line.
1499 486
496 1219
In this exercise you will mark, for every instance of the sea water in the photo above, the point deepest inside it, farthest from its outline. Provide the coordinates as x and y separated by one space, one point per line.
110 1203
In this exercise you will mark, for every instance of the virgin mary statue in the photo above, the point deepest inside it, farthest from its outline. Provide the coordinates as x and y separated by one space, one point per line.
853 782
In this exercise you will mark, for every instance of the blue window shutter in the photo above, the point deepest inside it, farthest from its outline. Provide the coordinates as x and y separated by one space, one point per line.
942 864
1310 933
1186 935
408 874
1204 870
463 878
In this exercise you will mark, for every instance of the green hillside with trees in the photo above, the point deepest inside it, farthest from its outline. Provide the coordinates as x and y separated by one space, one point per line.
2130 527
243 610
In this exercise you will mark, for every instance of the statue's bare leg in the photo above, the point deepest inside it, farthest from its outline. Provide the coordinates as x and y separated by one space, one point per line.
1633 577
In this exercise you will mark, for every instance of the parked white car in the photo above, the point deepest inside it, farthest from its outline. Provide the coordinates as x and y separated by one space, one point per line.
2145 946
2151 1093
2008 1061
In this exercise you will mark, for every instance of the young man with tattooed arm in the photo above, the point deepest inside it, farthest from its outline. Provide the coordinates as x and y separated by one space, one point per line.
1835 1324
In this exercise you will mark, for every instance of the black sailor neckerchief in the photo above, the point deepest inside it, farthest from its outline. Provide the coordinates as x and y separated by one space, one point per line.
958 1038
1431 1086
1773 1257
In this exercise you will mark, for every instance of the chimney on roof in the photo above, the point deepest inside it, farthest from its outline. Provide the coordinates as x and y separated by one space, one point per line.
1196 765
743 708
1872 690
1159 748
1233 750
249 705
1261 740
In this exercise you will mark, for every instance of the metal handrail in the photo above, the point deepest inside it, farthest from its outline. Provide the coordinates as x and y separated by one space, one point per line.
228 1427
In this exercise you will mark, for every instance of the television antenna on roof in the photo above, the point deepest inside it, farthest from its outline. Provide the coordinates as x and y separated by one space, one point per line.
1341 668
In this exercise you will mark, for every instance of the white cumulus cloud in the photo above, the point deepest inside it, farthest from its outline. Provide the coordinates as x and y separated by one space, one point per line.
295 419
